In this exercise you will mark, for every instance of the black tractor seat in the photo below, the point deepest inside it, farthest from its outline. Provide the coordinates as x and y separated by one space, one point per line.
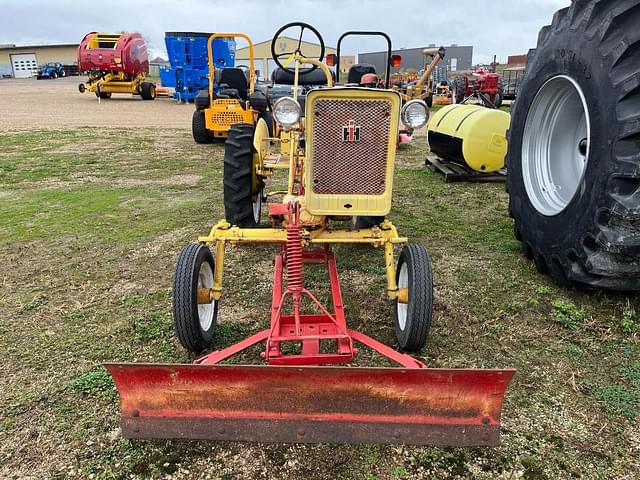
313 78
233 84
358 70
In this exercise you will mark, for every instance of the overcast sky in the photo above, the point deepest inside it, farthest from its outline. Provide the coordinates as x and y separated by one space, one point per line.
500 27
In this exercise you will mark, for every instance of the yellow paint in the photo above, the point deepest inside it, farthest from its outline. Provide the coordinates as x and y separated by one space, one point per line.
481 130
327 204
118 82
225 112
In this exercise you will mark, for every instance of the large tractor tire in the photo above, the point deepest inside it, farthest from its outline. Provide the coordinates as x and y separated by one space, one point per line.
242 190
574 148
199 128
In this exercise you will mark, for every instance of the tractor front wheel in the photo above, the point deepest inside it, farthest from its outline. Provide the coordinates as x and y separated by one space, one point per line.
194 322
413 318
242 190
199 128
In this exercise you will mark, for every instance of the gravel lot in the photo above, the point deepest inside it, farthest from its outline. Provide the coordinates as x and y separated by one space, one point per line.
30 104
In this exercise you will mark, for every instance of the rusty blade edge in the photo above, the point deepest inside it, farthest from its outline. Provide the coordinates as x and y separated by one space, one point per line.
272 431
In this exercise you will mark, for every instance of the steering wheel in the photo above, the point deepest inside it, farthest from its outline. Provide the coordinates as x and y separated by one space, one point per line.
280 57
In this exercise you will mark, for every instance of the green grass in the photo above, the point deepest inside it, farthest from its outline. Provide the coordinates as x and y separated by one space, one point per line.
90 225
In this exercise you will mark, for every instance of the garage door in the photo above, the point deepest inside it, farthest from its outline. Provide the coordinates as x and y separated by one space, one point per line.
24 65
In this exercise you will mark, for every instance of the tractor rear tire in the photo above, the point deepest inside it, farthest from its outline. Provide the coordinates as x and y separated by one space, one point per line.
497 99
458 90
194 323
148 91
242 203
199 128
413 319
202 100
574 148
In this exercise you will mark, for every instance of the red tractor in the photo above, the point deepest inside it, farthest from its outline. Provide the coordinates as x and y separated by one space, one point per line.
482 85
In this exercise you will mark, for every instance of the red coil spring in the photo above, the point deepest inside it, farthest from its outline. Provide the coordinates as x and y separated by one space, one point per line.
294 258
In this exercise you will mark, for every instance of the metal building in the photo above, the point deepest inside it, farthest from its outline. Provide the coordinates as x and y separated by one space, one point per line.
457 58
23 61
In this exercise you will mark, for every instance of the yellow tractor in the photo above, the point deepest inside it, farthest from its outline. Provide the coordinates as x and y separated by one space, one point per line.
421 89
231 98
344 167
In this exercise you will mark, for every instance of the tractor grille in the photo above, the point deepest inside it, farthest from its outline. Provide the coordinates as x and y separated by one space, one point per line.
227 118
350 146
227 112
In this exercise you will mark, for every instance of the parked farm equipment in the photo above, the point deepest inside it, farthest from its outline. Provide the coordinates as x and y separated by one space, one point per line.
232 100
471 136
574 148
482 85
344 168
189 66
51 70
115 63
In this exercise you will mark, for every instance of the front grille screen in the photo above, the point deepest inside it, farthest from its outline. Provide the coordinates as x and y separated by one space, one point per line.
350 145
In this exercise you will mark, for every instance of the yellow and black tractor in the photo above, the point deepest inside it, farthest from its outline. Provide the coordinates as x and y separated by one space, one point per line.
344 167
231 98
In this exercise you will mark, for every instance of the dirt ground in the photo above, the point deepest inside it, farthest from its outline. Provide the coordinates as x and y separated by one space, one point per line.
27 104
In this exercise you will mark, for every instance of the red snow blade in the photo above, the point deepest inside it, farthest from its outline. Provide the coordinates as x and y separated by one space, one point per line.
421 406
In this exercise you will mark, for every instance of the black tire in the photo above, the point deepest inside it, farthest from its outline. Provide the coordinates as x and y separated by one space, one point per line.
412 336
497 99
193 335
54 75
199 128
458 90
148 91
103 95
202 100
240 195
593 241
63 73
271 123
429 100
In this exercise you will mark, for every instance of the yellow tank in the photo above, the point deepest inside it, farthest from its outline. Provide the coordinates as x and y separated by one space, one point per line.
470 135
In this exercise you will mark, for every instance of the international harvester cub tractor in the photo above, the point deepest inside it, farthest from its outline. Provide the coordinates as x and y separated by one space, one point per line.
343 168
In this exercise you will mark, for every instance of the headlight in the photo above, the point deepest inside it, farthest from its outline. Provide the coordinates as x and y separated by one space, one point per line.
286 111
414 114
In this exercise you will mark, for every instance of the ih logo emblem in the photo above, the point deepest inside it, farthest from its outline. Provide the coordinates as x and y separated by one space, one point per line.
351 132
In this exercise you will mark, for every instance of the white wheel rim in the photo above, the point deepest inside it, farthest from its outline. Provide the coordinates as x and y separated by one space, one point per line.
257 207
205 310
555 145
401 308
